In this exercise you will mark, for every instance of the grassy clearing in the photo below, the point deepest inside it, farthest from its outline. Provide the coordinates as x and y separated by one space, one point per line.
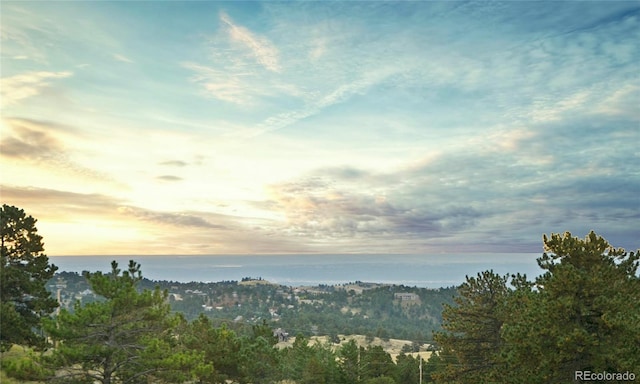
4 379
15 354
391 346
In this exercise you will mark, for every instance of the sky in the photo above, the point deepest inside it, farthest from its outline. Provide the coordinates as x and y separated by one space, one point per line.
320 127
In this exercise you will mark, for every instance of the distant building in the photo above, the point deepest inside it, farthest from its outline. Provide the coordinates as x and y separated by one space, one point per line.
195 292
175 296
281 334
404 296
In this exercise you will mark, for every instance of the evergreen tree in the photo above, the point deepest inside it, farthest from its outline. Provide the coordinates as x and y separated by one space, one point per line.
326 359
126 338
349 361
221 347
295 358
408 369
436 363
376 362
24 271
583 316
381 380
314 372
473 330
259 361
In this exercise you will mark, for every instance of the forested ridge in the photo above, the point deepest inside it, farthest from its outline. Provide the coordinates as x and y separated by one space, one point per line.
580 317
370 309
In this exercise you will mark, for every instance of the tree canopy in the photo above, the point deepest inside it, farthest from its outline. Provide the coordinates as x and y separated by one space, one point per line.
24 272
127 337
581 314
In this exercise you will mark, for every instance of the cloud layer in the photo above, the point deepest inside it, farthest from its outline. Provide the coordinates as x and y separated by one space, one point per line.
19 87
269 127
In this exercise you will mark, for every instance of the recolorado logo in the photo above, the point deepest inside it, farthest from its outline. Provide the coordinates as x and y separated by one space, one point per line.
604 376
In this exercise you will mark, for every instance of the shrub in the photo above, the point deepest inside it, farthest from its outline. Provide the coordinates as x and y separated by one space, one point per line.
24 368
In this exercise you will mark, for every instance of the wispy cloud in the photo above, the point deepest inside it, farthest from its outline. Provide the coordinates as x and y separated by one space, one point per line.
122 58
338 95
170 178
226 86
263 51
621 102
118 227
16 88
23 34
319 48
48 203
46 144
175 163
174 219
236 72
30 139
68 204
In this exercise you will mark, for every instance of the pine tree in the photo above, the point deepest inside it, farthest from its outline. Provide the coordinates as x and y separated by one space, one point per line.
126 338
221 348
408 369
376 363
349 361
473 330
24 271
583 315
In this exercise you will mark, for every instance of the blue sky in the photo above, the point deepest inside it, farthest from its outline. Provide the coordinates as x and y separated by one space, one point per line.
321 127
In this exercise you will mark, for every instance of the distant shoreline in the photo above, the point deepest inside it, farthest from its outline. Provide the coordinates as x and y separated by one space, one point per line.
427 271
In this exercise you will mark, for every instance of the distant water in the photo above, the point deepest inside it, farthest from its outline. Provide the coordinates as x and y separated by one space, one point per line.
430 271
